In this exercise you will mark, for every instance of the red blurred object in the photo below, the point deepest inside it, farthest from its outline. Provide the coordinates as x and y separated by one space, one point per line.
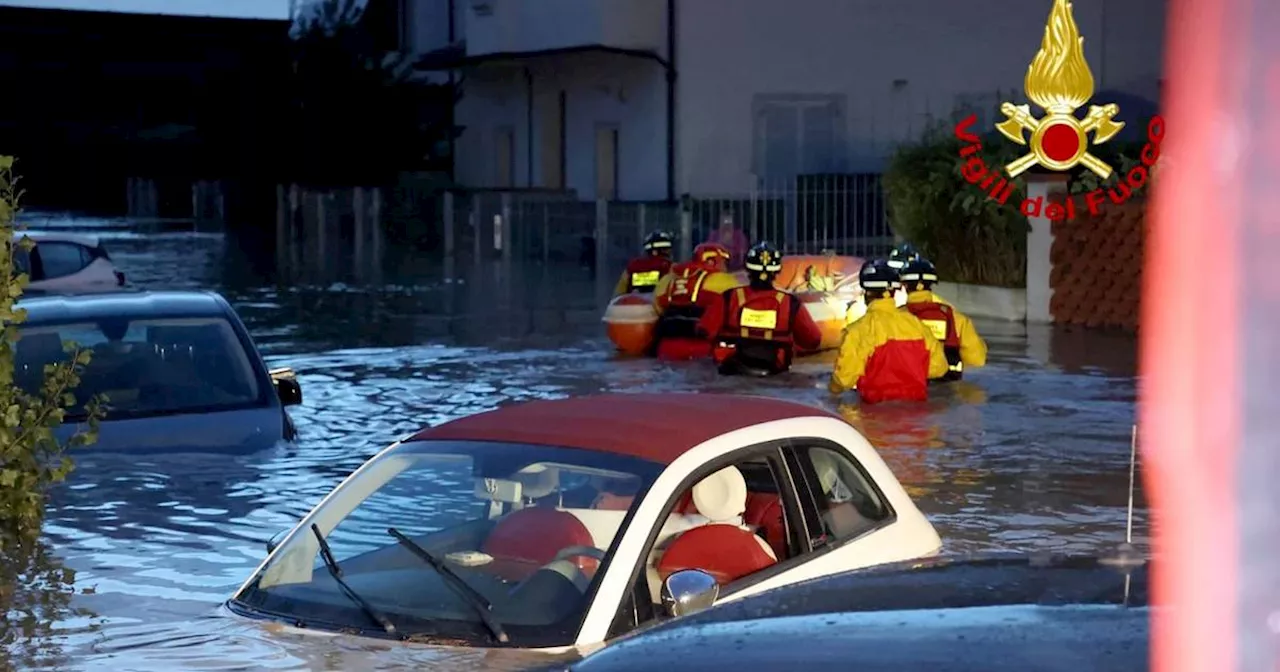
1208 424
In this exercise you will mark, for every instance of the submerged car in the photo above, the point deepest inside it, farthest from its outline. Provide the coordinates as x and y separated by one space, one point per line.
178 370
988 615
67 263
555 525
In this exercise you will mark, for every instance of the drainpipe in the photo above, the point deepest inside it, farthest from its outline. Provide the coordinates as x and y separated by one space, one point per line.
671 100
528 129
453 104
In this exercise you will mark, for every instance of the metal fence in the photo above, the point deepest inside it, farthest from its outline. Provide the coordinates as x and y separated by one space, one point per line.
807 215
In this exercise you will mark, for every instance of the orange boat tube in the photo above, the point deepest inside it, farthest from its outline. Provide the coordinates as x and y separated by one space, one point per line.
631 323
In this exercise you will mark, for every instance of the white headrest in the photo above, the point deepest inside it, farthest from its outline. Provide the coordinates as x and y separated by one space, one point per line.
537 480
722 495
825 465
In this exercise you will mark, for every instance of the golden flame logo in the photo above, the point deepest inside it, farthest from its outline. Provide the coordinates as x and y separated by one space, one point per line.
1059 81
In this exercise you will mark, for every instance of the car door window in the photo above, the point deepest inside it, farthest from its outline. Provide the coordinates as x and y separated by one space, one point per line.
846 500
61 259
745 531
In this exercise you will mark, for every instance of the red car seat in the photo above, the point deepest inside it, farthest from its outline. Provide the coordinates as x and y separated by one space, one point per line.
525 540
725 550
764 510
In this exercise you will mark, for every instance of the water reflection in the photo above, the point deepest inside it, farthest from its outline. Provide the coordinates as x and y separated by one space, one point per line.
36 591
1030 453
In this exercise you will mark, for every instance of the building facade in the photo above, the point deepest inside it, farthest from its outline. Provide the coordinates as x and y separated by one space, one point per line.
652 99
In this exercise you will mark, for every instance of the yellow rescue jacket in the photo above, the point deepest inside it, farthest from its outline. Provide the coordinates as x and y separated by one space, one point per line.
714 282
887 355
973 350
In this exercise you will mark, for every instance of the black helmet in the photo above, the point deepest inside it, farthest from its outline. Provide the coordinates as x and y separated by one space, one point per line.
902 255
877 274
919 270
658 241
763 257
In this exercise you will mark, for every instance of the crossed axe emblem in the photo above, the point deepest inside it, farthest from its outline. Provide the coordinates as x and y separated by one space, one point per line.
1019 120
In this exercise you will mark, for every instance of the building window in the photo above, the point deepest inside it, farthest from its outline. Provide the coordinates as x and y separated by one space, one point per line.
504 145
553 142
607 162
796 135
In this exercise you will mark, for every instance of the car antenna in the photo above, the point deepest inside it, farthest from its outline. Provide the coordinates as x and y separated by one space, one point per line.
1126 557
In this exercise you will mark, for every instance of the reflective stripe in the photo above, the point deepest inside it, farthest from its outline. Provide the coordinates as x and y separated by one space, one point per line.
644 279
697 286
938 327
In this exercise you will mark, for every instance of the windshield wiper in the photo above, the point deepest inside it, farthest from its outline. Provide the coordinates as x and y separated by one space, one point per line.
473 598
332 565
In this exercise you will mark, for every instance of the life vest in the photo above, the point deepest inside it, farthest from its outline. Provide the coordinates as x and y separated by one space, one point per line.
643 273
682 312
757 329
941 320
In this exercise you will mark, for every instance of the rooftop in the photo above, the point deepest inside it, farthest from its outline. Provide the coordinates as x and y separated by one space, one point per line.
49 308
655 427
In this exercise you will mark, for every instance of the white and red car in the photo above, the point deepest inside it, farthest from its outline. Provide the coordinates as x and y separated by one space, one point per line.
67 264
559 525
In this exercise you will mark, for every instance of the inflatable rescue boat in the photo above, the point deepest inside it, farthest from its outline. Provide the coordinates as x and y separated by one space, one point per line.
827 284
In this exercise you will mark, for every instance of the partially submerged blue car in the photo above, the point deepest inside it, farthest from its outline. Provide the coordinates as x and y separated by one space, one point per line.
990 615
178 369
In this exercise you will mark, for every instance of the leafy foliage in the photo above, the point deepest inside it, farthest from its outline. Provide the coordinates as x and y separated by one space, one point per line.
31 457
35 588
972 238
358 113
968 236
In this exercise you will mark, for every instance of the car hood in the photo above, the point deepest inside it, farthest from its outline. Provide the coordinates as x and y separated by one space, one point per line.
239 431
996 613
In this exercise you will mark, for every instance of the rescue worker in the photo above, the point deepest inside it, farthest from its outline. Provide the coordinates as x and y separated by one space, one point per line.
888 354
643 272
902 255
960 340
756 328
682 296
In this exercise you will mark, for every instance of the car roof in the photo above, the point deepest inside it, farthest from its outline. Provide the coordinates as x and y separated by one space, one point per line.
654 427
48 237
900 617
46 308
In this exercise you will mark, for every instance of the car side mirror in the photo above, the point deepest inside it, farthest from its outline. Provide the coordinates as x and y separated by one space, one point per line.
287 387
689 591
274 541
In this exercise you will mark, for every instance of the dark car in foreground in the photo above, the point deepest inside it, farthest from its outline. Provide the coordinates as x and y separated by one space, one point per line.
993 614
177 368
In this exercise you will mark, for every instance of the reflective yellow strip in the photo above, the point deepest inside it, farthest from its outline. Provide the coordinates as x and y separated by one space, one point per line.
760 319
697 286
645 279
938 327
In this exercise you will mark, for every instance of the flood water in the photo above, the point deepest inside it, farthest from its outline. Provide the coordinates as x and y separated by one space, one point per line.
1030 453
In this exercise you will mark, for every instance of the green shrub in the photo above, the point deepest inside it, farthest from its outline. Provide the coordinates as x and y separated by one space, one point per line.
31 456
971 238
35 588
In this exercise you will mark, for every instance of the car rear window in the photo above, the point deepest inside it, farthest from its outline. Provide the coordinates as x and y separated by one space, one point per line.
146 367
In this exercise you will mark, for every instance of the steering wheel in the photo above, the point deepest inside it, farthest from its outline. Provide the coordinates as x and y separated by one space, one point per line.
579 551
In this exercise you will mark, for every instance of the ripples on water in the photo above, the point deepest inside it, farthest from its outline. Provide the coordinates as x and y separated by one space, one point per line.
1030 453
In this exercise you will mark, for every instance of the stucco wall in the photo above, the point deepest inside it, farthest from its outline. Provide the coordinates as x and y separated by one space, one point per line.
891 64
629 93
1097 268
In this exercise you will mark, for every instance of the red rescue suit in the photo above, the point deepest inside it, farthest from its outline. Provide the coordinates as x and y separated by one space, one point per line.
941 320
682 306
642 273
757 330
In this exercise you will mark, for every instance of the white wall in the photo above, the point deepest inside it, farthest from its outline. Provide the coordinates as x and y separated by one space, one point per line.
537 25
731 50
600 89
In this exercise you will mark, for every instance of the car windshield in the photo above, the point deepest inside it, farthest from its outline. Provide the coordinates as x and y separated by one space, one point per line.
145 367
526 527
